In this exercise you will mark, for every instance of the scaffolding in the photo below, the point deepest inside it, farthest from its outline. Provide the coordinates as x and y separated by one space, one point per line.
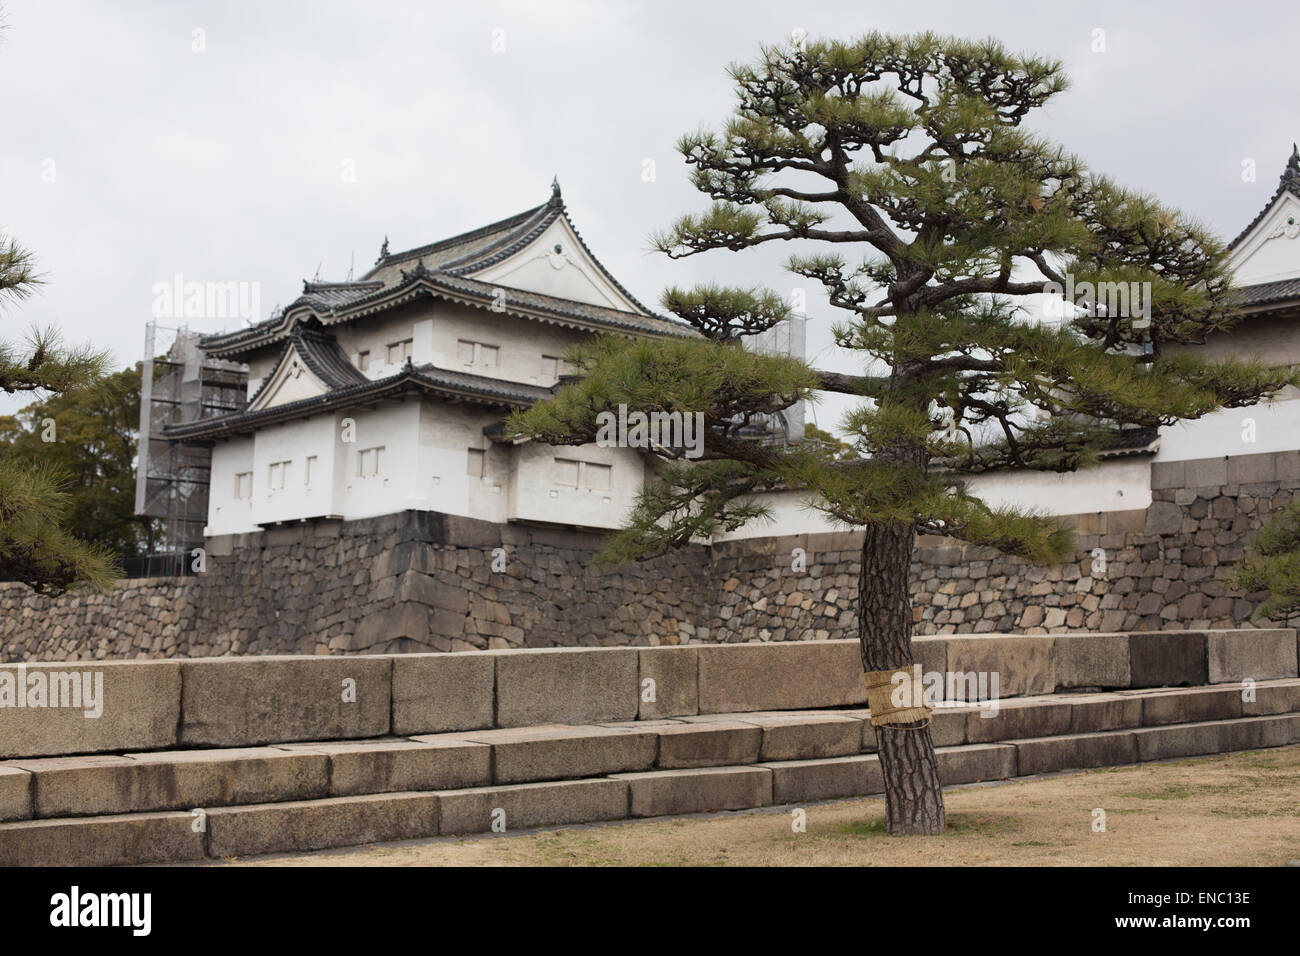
786 338
179 383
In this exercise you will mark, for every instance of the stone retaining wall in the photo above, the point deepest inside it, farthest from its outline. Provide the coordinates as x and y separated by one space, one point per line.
254 701
420 581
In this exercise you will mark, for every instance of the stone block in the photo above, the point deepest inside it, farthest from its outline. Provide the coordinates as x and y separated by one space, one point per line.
676 675
1167 658
1186 740
1163 518
391 766
436 693
931 653
15 794
138 703
976 762
127 840
320 824
1273 697
1188 705
408 620
527 805
1178 740
565 751
238 702
1025 665
1092 660
426 589
1252 732
863 716
1075 752
1206 472
791 675
1167 474
806 736
947 727
710 743
566 686
1251 469
1015 719
1092 713
1257 654
172 780
668 792
806 781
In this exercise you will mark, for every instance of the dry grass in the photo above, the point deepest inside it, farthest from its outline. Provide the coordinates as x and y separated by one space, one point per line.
1239 809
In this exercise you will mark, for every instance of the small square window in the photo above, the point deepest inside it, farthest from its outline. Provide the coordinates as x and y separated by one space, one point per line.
596 477
399 352
488 355
566 472
363 360
475 465
370 462
465 353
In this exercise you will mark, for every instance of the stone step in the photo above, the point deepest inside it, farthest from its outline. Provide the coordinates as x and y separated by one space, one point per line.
42 788
85 707
300 825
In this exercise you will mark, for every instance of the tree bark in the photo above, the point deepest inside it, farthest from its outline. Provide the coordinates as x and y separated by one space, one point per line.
913 794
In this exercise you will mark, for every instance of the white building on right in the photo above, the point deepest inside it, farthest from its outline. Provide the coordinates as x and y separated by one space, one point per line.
1265 259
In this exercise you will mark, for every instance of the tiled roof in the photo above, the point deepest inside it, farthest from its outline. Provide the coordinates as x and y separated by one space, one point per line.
1131 441
445 268
1267 293
1288 183
469 246
319 351
458 386
422 281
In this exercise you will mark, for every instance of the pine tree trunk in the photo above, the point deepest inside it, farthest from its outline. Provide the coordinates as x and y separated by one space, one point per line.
913 795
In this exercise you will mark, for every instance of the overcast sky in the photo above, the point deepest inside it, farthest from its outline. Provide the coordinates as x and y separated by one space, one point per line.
302 133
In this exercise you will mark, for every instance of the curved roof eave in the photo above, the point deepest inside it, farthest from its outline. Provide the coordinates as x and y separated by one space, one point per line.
461 289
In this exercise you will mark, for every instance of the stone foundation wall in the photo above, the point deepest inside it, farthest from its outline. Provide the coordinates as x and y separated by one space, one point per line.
413 581
419 581
1164 568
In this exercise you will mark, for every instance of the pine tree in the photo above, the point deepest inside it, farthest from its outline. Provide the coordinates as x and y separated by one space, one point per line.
36 545
935 222
1272 565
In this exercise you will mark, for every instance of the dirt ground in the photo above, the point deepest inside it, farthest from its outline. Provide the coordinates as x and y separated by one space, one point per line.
1239 809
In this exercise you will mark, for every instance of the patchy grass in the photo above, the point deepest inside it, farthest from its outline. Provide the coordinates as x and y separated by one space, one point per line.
1230 810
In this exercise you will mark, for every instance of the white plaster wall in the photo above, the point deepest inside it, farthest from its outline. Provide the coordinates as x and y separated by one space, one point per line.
1115 485
293 442
396 427
521 342
226 515
260 364
447 433
437 326
1277 428
535 495
1266 257
376 332
568 274
790 515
